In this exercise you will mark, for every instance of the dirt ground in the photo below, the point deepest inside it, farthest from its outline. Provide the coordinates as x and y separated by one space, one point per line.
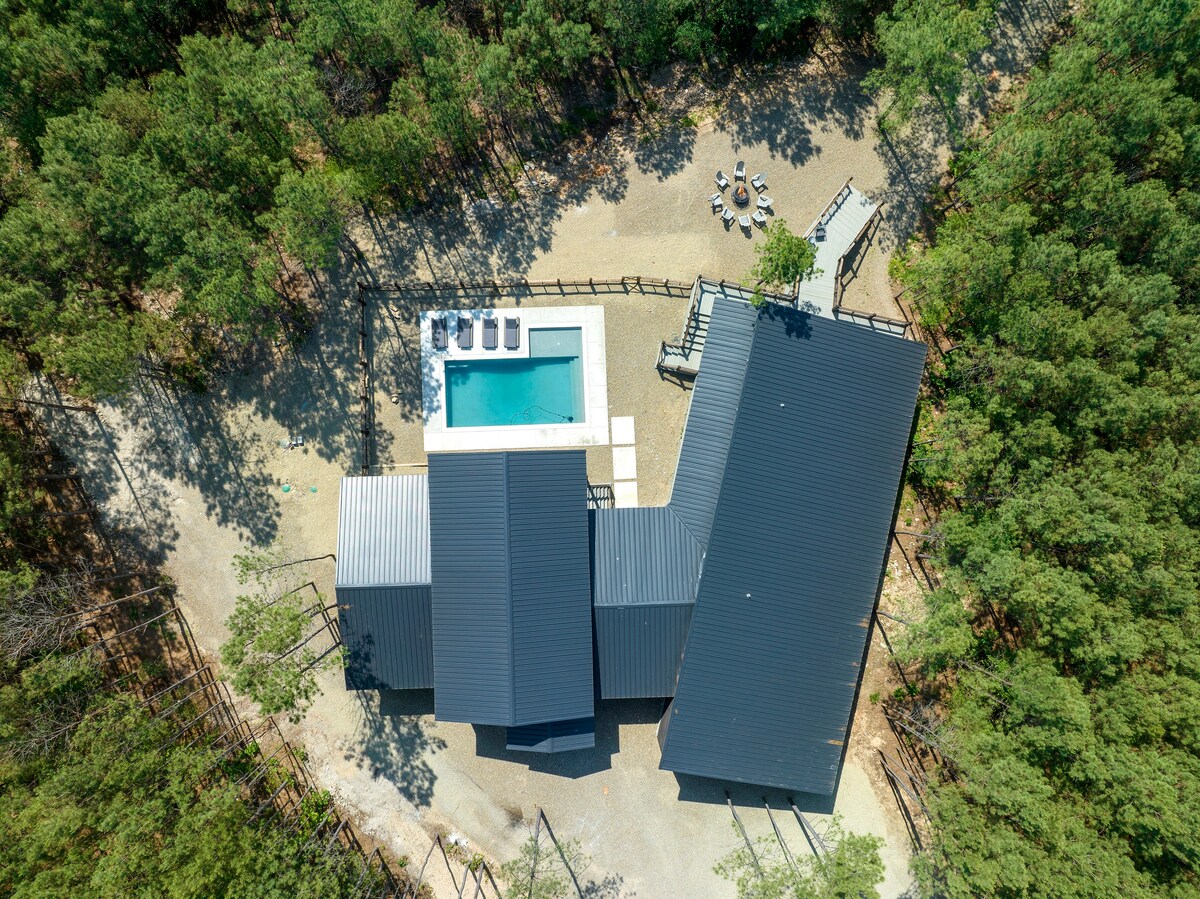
198 478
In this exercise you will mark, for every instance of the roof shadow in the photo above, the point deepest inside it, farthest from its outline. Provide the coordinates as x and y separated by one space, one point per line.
491 742
406 702
722 792
610 715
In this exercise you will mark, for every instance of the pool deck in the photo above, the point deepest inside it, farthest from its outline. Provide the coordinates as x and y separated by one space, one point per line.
593 431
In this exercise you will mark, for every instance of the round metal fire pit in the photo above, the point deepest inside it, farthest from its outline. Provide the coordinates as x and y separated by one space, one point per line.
741 196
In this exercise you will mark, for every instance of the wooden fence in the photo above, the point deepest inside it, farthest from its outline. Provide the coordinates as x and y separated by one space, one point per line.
260 761
623 284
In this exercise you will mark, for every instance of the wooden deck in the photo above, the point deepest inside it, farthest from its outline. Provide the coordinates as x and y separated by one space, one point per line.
840 226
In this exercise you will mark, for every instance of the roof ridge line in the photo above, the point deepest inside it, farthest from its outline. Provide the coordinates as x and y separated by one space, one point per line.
508 572
720 493
687 530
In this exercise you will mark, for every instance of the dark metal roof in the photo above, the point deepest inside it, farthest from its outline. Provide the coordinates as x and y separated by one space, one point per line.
643 555
554 736
383 531
639 647
645 567
511 587
795 558
711 416
387 635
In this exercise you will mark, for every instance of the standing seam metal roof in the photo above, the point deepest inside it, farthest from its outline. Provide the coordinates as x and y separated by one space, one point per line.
796 553
643 555
382 582
383 531
639 647
387 636
511 587
645 568
711 416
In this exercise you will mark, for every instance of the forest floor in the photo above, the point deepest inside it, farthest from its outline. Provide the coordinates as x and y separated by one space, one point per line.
198 478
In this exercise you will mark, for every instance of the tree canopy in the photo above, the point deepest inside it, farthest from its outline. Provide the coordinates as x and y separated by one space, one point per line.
1061 649
926 46
782 259
851 869
271 655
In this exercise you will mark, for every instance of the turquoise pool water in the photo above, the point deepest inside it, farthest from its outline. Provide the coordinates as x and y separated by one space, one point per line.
544 389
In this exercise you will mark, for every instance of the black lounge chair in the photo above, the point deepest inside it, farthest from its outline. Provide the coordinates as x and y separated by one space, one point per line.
466 333
491 330
437 328
512 333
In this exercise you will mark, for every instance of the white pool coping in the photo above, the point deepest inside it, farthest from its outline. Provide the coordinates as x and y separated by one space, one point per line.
593 431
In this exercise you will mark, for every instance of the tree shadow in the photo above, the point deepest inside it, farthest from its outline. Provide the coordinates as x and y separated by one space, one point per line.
393 741
487 237
666 153
1019 40
779 107
610 887
913 164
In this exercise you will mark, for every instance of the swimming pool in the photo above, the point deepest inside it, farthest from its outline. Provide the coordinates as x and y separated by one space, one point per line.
544 389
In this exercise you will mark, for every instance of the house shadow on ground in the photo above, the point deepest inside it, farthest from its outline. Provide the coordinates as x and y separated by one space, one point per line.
490 742
722 792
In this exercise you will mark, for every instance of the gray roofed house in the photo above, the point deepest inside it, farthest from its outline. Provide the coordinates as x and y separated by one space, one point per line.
748 597
382 583
645 567
796 553
511 587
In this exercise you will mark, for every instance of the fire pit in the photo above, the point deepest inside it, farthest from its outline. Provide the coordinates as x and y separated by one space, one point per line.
741 196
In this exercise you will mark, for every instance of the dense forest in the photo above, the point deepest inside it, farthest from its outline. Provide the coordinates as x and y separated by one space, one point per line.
167 168
1061 653
116 779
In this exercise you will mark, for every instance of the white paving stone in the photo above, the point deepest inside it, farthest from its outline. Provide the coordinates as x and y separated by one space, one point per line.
622 429
624 463
625 494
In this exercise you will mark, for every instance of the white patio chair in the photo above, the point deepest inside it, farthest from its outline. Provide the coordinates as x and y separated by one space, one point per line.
727 215
716 202
739 171
744 221
722 181
760 219
759 181
764 202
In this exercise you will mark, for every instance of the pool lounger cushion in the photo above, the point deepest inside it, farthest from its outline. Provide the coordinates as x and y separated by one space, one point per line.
438 329
512 333
466 335
491 330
